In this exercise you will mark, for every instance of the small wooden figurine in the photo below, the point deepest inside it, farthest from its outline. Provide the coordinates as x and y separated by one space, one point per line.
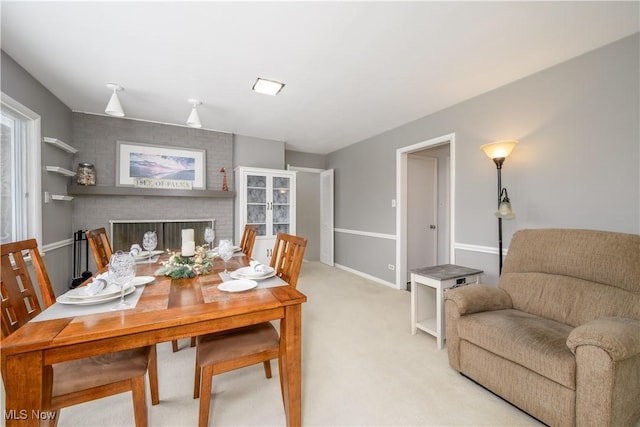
225 186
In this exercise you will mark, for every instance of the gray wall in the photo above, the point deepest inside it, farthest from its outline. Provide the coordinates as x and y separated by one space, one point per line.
55 122
258 152
577 164
306 160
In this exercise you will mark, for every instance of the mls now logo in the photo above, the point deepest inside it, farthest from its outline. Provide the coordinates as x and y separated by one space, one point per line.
23 414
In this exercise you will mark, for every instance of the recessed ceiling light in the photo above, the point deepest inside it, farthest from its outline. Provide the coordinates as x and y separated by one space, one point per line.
268 87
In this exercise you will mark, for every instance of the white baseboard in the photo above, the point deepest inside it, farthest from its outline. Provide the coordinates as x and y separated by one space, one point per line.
366 276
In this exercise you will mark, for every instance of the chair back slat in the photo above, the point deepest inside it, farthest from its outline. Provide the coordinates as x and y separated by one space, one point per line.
19 299
288 253
100 246
248 239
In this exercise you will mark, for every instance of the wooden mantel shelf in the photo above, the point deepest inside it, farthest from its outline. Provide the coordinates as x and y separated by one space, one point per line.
105 190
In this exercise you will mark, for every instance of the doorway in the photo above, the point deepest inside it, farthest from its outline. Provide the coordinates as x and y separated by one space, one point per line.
422 211
444 149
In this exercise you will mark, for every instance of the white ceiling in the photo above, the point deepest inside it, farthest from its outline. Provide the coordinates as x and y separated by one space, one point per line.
352 69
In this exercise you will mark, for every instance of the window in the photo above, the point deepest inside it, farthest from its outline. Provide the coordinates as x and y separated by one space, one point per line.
20 210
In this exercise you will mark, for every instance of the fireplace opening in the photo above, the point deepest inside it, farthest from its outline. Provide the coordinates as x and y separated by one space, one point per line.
125 233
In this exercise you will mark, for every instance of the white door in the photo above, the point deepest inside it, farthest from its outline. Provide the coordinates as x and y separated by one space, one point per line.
326 217
422 202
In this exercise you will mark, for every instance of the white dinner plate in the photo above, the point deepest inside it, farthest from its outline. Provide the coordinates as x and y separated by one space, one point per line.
63 299
141 280
81 293
237 285
249 273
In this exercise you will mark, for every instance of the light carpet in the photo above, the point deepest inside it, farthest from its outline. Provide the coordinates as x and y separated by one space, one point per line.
361 367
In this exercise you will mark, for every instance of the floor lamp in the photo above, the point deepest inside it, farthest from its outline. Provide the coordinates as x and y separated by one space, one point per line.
498 152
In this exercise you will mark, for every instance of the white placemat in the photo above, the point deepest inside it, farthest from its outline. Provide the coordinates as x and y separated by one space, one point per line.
271 282
59 311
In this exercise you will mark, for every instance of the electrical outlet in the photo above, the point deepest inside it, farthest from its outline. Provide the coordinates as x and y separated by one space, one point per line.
392 267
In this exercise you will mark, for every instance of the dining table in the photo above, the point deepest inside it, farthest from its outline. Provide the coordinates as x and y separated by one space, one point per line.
166 309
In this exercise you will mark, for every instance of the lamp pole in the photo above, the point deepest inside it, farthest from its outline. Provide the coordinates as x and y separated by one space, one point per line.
499 161
498 151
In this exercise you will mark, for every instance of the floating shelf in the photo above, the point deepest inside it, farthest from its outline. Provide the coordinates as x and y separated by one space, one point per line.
104 190
61 197
61 145
62 171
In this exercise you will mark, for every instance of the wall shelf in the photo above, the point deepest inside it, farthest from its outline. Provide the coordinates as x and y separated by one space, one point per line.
62 171
61 197
105 190
60 144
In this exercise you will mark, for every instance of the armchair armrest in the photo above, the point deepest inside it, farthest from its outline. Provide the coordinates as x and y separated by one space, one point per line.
607 354
476 298
618 336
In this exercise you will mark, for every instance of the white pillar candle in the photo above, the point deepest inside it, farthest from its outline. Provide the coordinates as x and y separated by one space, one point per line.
187 235
188 248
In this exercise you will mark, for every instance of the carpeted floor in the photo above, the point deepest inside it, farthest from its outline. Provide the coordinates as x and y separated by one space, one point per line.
361 367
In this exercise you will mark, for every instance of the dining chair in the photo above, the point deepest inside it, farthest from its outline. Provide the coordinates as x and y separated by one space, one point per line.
248 239
80 380
229 350
100 246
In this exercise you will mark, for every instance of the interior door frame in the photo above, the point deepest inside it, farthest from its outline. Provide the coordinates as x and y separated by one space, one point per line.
330 235
401 201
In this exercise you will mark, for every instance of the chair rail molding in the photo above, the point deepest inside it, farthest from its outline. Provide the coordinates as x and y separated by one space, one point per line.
365 233
479 248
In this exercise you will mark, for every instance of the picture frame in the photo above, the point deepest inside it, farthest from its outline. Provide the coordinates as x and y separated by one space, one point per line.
177 167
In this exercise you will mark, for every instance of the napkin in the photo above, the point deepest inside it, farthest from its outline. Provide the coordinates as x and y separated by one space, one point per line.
258 267
97 285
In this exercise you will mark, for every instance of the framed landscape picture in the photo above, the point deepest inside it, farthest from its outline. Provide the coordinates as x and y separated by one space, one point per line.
159 166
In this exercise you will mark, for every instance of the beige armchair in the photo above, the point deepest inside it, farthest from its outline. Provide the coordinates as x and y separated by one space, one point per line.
560 335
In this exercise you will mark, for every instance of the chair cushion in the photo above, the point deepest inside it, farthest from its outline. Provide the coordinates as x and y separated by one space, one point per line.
81 374
229 345
536 343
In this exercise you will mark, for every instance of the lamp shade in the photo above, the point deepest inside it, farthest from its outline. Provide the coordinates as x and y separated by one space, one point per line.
113 107
499 149
505 211
194 118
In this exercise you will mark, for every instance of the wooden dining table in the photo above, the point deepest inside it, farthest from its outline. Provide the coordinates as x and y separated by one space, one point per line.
168 309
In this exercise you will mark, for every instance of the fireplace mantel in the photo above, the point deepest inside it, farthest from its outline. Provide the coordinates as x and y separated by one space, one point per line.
105 190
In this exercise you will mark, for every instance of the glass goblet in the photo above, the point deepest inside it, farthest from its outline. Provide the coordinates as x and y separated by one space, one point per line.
149 242
209 236
122 270
225 251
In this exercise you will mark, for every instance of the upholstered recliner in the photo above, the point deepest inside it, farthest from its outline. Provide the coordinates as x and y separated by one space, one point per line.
560 335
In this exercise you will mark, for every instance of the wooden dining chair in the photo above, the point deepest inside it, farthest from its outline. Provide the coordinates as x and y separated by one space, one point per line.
100 246
248 239
80 380
225 351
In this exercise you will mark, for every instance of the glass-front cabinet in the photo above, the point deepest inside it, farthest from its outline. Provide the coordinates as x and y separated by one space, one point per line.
266 200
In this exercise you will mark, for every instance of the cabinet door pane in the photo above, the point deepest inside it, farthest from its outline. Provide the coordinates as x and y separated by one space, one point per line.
257 181
281 228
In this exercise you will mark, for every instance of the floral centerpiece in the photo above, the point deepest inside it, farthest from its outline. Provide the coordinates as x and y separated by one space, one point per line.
179 267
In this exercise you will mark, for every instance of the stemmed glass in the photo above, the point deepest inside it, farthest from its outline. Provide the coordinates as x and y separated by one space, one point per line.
209 236
149 242
122 270
225 251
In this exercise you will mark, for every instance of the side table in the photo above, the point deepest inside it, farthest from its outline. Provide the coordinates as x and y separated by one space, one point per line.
428 285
